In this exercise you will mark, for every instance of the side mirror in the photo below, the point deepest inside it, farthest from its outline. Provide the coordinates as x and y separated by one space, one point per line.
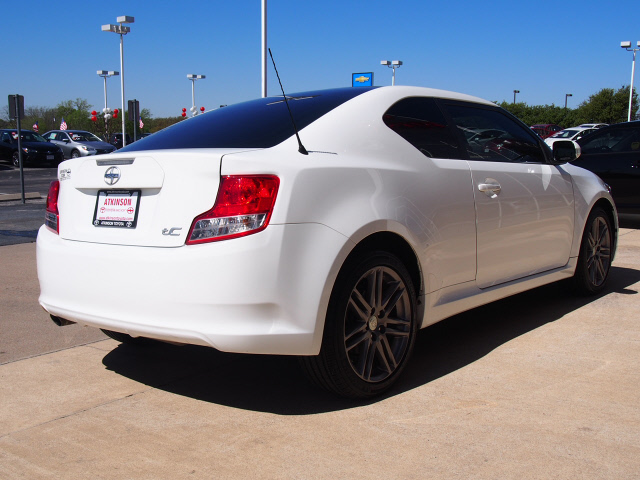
565 151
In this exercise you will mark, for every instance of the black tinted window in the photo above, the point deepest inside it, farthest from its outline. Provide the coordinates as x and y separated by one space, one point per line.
615 139
258 123
492 135
421 123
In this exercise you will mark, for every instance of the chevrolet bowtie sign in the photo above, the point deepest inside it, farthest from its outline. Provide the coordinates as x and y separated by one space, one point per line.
362 79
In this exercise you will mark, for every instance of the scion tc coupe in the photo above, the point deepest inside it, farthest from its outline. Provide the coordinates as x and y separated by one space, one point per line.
388 216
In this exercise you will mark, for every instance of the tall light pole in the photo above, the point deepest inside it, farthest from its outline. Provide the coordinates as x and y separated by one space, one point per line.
514 95
193 79
566 97
264 48
107 113
393 64
122 31
105 74
627 47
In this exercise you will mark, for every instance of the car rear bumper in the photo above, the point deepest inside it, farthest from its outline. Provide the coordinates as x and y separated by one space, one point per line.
264 293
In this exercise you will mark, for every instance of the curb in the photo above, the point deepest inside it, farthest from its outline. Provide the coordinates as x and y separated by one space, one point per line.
8 197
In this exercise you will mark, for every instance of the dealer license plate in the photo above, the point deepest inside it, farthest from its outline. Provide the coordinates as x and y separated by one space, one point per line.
117 208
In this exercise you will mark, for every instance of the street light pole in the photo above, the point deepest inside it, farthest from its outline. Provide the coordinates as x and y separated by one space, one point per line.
105 74
566 96
393 64
193 79
122 31
627 47
264 48
514 95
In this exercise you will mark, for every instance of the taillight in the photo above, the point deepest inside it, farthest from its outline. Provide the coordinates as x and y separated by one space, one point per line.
52 216
243 206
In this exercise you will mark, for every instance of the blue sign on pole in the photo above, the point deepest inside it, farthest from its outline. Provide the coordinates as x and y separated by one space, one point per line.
362 79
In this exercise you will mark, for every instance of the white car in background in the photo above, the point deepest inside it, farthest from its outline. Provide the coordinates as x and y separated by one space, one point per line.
594 125
336 245
573 133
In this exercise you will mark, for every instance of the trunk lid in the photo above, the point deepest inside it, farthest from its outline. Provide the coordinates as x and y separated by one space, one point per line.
146 198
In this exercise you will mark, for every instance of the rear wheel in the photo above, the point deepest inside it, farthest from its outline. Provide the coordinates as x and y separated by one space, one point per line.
128 339
15 159
594 261
370 328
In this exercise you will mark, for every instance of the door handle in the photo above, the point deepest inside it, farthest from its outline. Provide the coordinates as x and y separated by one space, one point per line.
491 187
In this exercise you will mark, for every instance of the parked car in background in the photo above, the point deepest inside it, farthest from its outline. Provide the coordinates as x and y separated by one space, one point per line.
594 125
613 153
574 133
78 143
546 130
35 149
115 139
335 243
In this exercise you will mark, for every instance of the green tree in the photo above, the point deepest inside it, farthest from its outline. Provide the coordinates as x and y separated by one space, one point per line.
608 106
77 114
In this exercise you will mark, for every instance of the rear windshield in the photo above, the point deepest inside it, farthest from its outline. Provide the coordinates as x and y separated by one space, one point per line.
260 123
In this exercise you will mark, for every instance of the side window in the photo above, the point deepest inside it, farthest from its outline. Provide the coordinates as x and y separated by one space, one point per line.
492 135
618 140
421 123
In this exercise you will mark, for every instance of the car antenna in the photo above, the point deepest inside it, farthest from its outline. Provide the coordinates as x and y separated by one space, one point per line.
301 148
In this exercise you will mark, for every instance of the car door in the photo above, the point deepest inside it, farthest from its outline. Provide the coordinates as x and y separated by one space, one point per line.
524 205
613 154
64 142
6 147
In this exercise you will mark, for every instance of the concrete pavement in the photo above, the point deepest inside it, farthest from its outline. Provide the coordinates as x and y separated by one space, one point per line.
541 385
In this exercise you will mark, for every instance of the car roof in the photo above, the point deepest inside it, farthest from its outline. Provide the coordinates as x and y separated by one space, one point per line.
69 131
15 130
615 126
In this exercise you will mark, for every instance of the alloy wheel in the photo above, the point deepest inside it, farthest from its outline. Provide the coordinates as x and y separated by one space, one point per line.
598 251
377 326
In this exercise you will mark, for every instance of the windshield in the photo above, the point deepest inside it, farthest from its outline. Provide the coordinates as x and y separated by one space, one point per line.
83 137
28 137
260 123
565 134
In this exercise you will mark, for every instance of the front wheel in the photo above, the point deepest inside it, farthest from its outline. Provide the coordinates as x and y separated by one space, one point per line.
15 159
75 154
370 328
594 260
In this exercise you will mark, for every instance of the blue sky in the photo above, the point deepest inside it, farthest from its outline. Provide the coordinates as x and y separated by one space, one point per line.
488 49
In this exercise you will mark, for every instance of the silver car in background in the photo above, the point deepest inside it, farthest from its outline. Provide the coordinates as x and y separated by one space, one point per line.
78 143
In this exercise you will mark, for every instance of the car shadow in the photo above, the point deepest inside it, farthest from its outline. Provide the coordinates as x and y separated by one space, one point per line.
276 384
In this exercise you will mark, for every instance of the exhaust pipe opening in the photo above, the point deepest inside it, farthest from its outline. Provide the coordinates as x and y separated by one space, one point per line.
61 322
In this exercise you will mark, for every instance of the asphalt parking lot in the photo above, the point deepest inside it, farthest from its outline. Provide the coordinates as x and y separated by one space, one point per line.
540 385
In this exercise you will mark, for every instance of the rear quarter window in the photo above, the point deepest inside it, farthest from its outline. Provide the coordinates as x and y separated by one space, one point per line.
421 123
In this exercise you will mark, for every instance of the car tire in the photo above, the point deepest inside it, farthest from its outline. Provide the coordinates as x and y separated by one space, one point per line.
594 260
15 160
127 339
370 328
75 154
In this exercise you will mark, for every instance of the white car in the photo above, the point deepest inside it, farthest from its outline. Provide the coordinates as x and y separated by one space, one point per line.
594 125
226 230
573 133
